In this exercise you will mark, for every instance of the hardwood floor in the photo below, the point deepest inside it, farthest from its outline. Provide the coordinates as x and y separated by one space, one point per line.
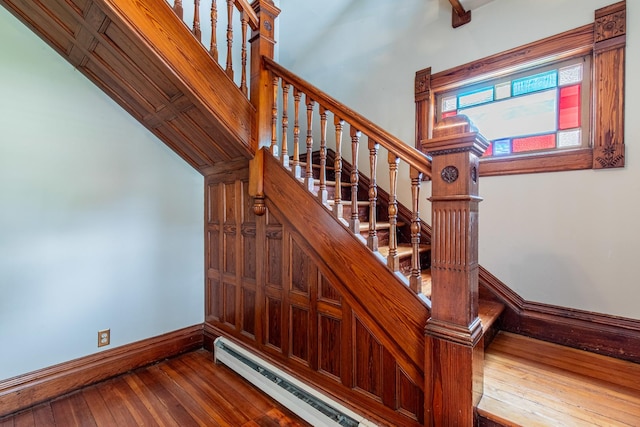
534 383
189 390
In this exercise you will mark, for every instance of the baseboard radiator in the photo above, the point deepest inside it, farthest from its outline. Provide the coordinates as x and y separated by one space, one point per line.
309 404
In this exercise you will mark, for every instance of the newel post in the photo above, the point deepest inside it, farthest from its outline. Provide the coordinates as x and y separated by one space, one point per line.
453 348
261 95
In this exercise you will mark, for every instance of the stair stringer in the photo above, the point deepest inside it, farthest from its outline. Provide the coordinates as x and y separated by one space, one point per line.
380 303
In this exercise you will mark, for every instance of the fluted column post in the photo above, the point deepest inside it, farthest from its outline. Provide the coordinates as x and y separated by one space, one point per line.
454 353
261 96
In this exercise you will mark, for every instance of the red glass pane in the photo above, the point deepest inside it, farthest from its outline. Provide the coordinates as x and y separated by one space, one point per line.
449 114
531 143
569 114
489 151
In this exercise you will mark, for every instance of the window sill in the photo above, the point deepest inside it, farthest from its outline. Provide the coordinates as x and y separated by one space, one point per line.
547 162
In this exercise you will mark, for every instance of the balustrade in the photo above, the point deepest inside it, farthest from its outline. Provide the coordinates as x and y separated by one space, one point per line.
237 11
345 203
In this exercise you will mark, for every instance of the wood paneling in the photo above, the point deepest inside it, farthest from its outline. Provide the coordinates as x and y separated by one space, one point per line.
294 311
26 390
140 54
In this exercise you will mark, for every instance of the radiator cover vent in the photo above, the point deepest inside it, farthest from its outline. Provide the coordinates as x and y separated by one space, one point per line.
307 403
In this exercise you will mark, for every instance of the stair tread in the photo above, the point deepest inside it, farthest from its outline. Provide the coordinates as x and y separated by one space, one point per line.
489 311
313 165
571 387
348 202
404 249
380 225
332 183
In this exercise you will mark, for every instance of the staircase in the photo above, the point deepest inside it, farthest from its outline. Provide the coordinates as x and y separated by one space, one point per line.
162 75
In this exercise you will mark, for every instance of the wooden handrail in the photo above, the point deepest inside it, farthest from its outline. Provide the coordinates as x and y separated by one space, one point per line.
244 7
407 153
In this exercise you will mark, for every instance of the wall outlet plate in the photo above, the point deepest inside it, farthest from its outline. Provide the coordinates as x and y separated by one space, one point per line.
104 337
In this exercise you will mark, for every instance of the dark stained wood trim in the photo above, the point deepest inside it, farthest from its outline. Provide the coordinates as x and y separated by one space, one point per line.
599 333
459 16
210 333
608 86
29 389
547 162
386 306
569 44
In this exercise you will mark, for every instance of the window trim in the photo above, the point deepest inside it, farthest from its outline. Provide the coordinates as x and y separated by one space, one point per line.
604 40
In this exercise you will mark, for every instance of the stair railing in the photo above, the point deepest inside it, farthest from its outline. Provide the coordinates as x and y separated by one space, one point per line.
287 89
247 17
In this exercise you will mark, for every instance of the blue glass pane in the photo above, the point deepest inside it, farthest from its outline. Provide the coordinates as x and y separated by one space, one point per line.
476 97
535 83
501 147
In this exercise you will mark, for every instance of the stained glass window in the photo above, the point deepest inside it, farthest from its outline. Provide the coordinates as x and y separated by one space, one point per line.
531 111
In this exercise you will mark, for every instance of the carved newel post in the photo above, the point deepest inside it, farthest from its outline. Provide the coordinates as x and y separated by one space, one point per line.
261 95
454 353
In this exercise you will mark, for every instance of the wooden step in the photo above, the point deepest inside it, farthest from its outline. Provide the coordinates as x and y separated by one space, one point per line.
529 382
380 225
404 250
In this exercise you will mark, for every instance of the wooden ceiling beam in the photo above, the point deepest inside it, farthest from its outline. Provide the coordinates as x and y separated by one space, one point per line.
459 16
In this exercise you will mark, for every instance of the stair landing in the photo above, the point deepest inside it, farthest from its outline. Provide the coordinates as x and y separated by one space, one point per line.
528 382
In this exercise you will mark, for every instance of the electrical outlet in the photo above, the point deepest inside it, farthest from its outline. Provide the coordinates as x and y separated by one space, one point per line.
104 337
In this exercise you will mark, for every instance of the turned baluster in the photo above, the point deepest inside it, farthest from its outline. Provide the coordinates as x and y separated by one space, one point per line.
415 278
196 20
296 132
392 259
337 206
309 169
213 47
354 223
285 123
177 8
372 238
229 68
274 117
243 80
322 191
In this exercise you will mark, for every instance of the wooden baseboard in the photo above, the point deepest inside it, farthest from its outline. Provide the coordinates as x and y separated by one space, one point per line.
599 333
29 389
210 335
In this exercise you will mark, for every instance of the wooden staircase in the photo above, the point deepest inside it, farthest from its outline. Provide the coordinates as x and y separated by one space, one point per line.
382 225
198 112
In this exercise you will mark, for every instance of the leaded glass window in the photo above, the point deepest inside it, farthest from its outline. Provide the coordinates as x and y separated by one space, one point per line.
526 112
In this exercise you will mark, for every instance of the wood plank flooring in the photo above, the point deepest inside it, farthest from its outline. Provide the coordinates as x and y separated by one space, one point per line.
189 390
534 383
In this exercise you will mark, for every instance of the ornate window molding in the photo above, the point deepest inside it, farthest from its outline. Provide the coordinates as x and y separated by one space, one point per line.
604 41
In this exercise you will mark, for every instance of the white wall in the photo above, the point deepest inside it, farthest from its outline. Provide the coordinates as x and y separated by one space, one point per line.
100 223
568 238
